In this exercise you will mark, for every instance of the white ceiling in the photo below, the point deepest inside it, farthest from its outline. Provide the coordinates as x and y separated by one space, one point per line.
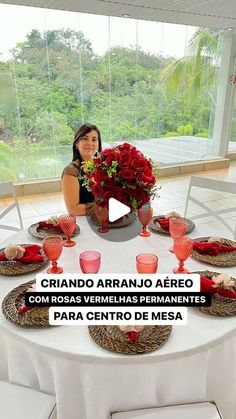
207 13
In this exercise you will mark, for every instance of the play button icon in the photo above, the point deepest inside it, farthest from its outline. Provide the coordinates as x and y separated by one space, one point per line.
116 209
123 223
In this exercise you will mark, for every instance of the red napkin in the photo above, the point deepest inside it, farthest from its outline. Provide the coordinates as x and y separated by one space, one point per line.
207 286
164 223
24 309
212 249
132 335
50 226
31 255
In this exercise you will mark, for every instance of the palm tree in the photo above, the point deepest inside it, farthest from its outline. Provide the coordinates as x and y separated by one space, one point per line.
196 70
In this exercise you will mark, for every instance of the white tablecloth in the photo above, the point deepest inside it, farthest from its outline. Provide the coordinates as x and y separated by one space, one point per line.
198 362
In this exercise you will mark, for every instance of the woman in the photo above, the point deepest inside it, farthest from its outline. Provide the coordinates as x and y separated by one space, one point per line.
87 143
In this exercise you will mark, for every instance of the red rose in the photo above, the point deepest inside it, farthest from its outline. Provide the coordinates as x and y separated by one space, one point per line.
141 196
97 161
124 146
99 175
127 174
124 159
106 151
97 190
146 178
109 159
108 183
116 192
139 164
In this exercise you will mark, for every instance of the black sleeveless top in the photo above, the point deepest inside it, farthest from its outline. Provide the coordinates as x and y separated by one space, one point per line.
74 170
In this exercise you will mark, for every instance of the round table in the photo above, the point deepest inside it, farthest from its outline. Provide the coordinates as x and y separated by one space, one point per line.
197 363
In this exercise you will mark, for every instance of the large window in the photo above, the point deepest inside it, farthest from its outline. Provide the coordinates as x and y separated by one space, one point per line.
232 142
147 82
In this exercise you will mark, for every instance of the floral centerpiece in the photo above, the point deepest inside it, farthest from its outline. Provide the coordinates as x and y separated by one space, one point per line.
123 173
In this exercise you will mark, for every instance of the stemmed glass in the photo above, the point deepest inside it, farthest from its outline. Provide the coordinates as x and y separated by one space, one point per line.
183 247
90 262
146 263
52 247
177 228
68 224
102 216
145 216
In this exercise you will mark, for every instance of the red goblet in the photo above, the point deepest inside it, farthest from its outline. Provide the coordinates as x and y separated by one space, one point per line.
177 228
90 262
145 216
102 216
52 247
146 263
183 247
68 224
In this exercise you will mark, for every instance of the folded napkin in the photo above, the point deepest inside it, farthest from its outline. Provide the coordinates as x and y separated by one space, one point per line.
212 249
132 336
50 226
207 285
31 255
164 223
24 309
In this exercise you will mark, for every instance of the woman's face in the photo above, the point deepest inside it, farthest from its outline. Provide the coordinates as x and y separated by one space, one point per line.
88 145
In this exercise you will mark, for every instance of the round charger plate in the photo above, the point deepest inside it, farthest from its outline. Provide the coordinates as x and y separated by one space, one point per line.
13 268
114 340
220 306
155 226
223 259
122 222
40 233
14 300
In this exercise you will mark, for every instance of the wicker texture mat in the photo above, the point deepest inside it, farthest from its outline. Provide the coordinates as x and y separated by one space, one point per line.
220 305
40 233
13 268
14 300
156 227
223 259
122 222
114 340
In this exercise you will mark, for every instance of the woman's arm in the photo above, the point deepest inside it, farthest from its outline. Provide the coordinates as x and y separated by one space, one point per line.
71 193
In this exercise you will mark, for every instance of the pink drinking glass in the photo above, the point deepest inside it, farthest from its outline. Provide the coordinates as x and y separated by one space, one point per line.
145 216
68 224
102 216
146 263
183 247
90 262
52 247
177 228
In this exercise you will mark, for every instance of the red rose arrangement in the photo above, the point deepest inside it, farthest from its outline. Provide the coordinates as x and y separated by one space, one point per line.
123 173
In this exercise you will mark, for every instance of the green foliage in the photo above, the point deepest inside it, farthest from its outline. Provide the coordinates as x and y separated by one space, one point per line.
197 71
185 129
53 82
202 134
171 134
7 172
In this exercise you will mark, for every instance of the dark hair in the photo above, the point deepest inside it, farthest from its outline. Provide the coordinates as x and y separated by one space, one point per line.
82 131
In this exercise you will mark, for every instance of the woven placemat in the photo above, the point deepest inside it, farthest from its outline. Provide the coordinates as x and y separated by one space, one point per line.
37 317
223 259
220 306
114 340
13 268
40 233
122 222
156 227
